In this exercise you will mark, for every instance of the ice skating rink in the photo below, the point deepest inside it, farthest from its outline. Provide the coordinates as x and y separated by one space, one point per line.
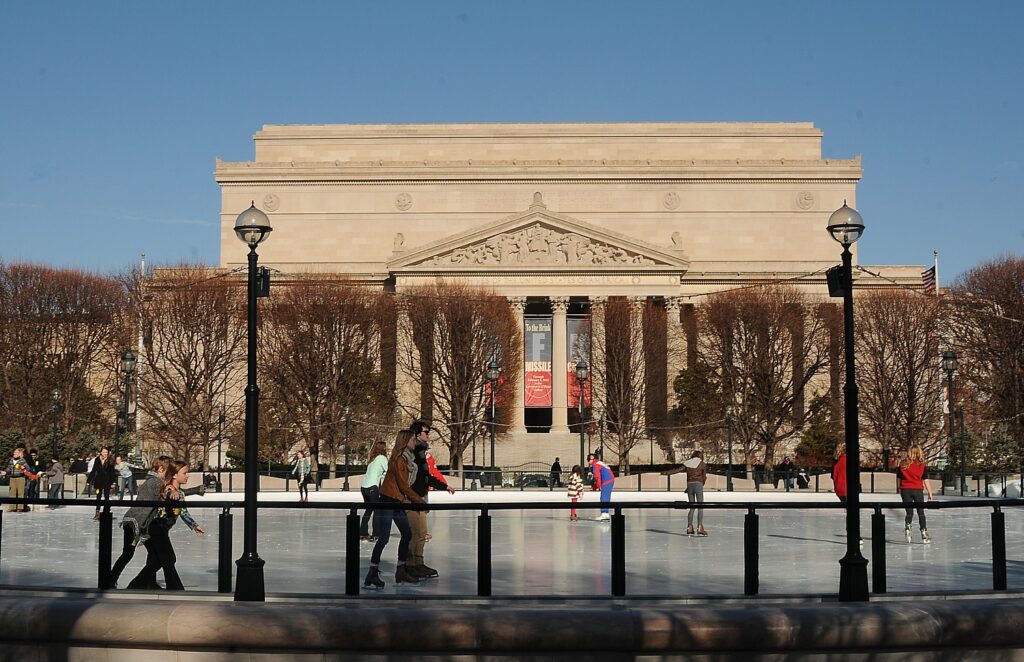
541 553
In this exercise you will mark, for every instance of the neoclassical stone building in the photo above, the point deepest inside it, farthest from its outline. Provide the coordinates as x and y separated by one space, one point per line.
557 217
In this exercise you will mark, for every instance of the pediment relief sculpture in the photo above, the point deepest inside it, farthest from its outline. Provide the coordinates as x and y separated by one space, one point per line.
539 245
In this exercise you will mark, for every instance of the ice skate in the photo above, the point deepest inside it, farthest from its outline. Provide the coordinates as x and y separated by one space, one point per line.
402 575
926 537
701 532
604 517
689 530
906 534
373 579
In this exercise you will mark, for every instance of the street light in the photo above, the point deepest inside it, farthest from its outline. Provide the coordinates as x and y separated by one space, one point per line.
948 363
582 372
252 226
728 428
348 417
963 449
220 444
493 373
56 395
846 226
128 367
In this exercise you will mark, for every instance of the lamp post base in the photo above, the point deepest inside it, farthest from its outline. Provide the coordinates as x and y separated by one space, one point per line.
249 581
853 578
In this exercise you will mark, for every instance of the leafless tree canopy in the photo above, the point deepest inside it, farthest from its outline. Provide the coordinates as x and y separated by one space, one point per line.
619 369
897 349
59 329
457 330
768 345
320 348
985 313
194 349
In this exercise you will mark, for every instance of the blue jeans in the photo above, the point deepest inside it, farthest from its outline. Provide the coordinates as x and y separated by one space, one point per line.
606 494
382 525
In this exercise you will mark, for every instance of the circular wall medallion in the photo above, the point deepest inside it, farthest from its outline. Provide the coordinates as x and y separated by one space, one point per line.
804 199
670 200
271 202
403 201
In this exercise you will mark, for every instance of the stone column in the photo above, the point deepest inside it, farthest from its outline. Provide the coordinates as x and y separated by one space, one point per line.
636 326
559 386
675 345
518 412
598 344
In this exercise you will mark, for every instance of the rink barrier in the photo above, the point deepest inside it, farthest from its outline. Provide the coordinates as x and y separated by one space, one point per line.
751 550
953 483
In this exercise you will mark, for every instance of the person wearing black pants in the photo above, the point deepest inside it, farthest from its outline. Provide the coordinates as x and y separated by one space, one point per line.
161 552
102 477
376 469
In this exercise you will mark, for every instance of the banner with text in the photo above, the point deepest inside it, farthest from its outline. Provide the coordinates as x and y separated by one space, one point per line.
537 382
577 339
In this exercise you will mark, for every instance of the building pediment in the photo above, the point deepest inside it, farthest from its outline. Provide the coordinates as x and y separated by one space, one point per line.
538 240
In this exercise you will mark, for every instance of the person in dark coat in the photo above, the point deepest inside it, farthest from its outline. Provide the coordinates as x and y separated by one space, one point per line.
556 473
103 477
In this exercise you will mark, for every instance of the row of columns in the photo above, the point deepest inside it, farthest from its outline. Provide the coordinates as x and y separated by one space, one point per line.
674 355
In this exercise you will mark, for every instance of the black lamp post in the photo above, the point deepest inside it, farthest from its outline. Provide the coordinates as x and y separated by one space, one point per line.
846 226
949 365
220 445
493 373
348 418
728 431
582 373
56 395
963 449
128 367
252 226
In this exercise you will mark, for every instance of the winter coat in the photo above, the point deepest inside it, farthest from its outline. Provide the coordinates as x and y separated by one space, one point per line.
575 487
398 482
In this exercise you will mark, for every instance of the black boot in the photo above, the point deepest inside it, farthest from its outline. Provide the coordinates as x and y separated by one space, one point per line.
425 571
373 579
402 575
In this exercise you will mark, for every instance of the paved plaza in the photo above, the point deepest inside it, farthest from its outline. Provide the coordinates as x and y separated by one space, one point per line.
540 552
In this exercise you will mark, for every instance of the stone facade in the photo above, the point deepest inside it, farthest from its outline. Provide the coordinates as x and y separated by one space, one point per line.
572 212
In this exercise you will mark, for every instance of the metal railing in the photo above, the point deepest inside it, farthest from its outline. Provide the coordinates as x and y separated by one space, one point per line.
751 548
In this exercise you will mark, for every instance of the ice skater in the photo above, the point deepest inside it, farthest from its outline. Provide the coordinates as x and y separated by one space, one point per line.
604 482
696 476
301 472
376 469
161 551
575 490
910 473
396 488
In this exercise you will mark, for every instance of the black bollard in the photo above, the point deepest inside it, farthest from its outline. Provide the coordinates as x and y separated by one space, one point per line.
998 550
750 553
352 553
106 535
224 561
878 551
483 554
618 554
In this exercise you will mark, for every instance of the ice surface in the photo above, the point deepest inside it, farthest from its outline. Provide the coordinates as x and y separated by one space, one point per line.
540 552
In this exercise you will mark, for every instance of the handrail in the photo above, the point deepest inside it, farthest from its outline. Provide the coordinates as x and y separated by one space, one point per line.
618 548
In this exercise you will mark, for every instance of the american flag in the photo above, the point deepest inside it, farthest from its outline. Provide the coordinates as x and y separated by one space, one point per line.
928 280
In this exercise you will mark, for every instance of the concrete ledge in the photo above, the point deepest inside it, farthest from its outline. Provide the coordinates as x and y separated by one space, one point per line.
361 627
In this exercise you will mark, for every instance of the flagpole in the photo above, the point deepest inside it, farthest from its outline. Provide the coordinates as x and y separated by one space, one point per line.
935 256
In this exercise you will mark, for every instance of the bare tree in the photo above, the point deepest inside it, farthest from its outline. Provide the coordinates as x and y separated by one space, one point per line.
768 345
321 356
456 330
897 368
986 326
194 336
57 327
619 372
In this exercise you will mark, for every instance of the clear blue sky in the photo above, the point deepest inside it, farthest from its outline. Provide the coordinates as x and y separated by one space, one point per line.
111 114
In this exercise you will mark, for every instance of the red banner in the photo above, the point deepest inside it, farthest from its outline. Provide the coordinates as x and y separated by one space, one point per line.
577 340
537 382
